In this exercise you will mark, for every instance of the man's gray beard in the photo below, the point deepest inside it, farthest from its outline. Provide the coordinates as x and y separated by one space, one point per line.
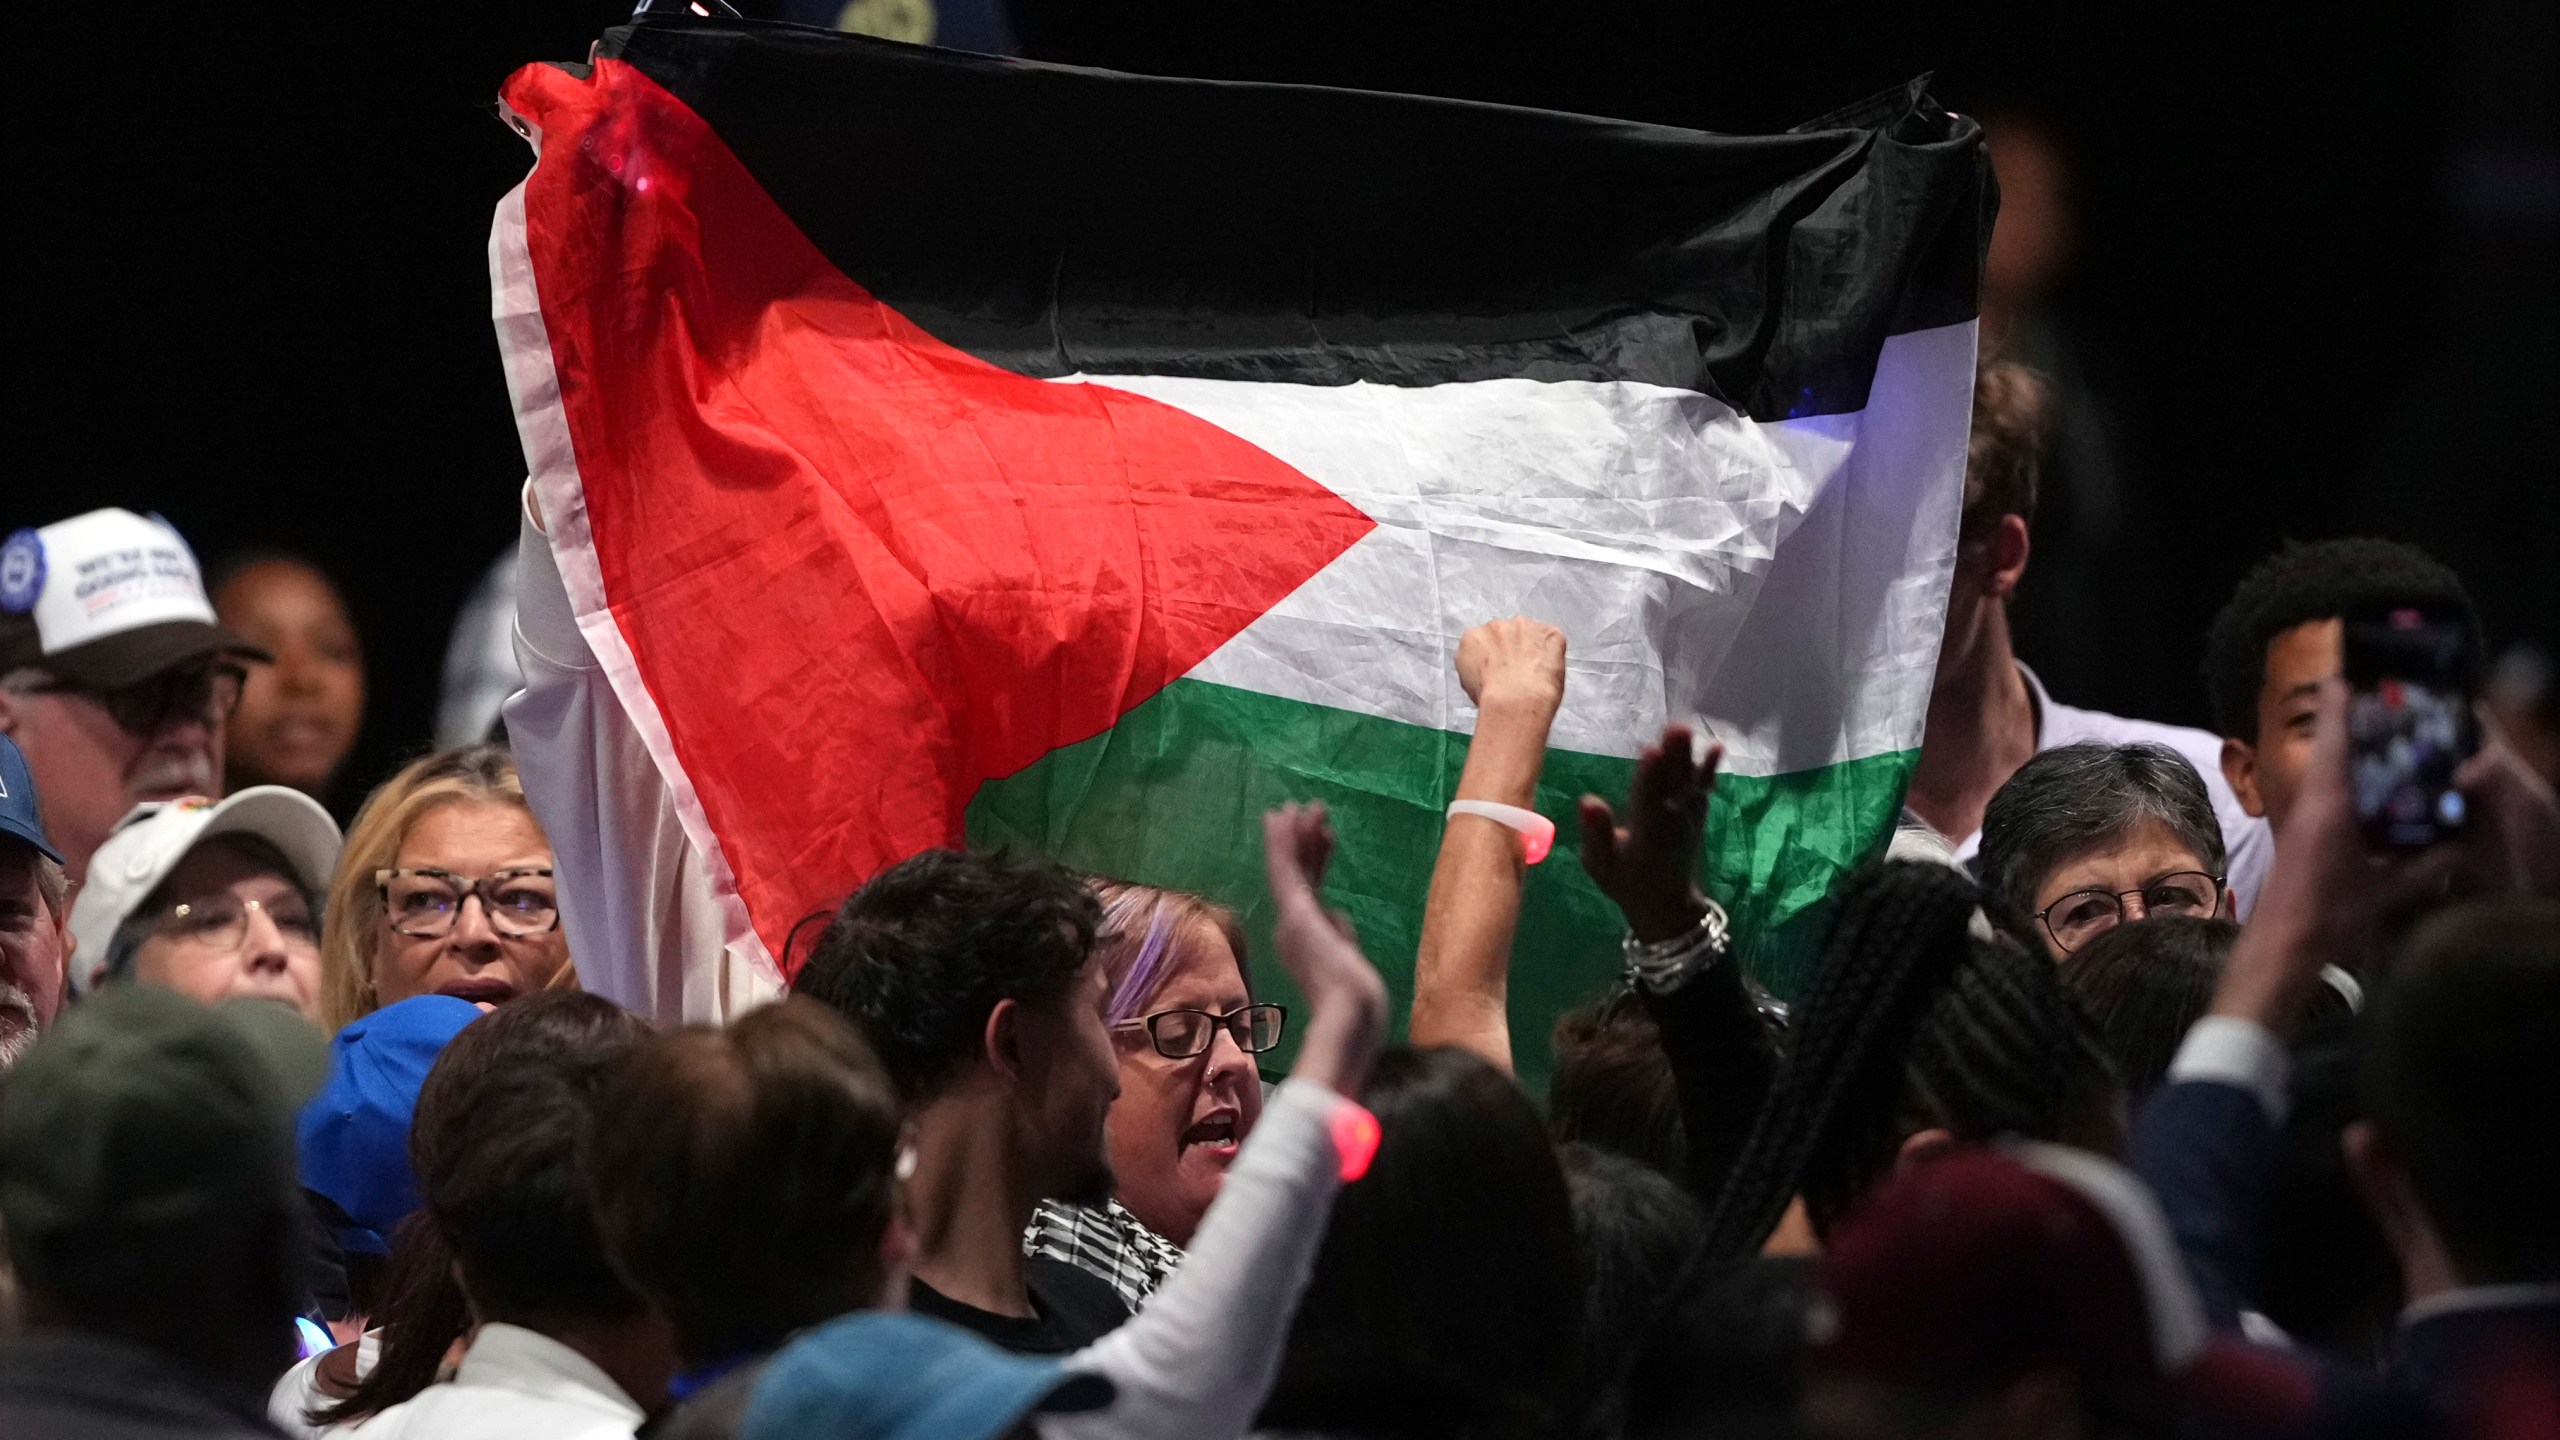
190 772
17 1023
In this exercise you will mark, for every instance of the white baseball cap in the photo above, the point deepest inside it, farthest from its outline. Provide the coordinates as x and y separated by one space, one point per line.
149 842
106 599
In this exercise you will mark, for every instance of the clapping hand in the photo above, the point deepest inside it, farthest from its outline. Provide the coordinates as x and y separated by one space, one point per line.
1346 999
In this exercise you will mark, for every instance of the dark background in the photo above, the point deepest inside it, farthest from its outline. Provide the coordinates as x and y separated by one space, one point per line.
2315 284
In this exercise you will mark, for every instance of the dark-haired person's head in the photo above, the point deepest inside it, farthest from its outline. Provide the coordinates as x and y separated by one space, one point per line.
2283 632
2458 1159
1445 1301
1726 1358
1634 1227
147 1191
2084 837
2005 1050
2146 985
495 1145
744 1178
299 713
975 979
1612 1085
506 1234
1913 1033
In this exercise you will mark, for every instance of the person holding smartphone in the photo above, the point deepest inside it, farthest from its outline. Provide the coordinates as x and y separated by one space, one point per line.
2285 631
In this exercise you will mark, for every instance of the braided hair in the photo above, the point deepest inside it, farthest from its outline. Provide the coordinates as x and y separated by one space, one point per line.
1910 1021
2006 1049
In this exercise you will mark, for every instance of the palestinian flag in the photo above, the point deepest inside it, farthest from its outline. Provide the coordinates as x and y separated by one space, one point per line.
945 448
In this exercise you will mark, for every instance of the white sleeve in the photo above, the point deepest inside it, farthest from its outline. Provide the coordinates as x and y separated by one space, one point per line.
1198 1362
2227 1050
644 927
297 1388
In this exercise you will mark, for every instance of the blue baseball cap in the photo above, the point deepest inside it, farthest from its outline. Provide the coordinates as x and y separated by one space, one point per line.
354 1135
18 813
890 1375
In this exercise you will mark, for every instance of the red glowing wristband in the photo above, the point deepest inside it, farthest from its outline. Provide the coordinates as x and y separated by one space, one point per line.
1537 832
1355 1138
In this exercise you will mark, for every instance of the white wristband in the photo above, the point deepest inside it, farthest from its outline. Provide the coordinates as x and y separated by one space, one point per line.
1537 832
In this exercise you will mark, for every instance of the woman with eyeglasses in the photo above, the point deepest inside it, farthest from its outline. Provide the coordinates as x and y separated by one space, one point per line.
1183 1016
214 900
2086 837
445 888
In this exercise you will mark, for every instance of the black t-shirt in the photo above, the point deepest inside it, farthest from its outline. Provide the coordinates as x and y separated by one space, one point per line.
1074 1309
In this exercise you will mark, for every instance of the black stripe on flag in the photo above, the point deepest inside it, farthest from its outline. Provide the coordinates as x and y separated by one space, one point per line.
1051 219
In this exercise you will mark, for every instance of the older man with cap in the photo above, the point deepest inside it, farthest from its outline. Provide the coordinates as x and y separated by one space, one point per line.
115 678
147 1187
35 912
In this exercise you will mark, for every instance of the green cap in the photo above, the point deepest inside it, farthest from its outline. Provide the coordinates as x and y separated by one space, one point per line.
146 1129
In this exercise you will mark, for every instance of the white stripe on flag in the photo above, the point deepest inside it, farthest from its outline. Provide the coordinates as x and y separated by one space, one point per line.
1785 582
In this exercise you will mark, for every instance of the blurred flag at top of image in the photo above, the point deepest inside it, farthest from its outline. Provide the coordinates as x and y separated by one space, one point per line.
940 449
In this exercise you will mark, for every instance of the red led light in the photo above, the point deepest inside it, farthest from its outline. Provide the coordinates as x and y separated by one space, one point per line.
1355 1138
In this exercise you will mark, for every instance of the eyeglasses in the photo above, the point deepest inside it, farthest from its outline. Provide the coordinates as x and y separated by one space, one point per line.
220 921
423 903
189 692
2084 915
1181 1034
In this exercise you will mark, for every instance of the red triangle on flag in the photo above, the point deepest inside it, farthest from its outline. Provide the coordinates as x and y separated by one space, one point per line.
861 572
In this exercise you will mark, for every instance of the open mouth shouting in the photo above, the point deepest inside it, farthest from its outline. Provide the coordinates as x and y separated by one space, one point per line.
1215 1131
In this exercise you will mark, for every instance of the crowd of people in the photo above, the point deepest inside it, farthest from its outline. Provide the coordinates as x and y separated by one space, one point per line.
2135 1093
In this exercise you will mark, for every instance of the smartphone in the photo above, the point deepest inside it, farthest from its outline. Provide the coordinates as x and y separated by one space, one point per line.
2409 722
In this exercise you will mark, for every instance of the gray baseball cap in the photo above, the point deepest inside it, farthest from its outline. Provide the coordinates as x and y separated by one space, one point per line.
146 1131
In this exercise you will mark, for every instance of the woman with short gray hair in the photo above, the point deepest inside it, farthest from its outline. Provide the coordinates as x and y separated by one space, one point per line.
2085 837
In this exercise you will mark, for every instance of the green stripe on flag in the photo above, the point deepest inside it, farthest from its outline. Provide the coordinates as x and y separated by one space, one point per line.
1173 795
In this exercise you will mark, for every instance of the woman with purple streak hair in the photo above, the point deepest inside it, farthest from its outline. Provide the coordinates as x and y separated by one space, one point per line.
1184 1019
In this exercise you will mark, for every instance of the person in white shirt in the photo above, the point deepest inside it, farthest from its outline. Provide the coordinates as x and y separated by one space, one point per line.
564 1348
1988 714
655 924
480 667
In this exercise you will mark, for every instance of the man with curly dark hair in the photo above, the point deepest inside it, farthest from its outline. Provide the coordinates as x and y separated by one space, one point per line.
2283 632
974 978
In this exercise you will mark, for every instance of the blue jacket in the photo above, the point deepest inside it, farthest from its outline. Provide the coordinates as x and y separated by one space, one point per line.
2208 1152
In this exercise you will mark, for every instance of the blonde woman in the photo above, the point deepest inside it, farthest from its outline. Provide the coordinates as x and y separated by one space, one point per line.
444 888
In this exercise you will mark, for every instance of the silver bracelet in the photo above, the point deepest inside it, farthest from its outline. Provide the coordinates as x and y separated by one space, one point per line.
1703 944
